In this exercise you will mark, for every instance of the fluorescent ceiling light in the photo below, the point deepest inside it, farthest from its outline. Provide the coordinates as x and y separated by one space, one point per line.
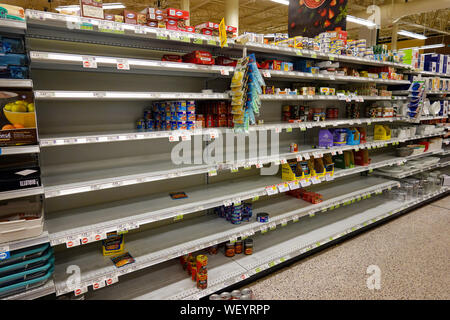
106 6
364 22
412 35
431 46
285 2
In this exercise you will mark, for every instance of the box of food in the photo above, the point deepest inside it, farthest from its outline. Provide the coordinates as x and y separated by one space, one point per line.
130 17
207 25
19 172
141 19
177 14
17 118
118 18
199 57
92 9
11 12
113 244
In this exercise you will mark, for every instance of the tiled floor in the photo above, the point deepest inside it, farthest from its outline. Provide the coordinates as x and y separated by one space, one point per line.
412 252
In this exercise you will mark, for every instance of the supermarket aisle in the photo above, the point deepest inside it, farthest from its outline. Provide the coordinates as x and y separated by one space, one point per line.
412 253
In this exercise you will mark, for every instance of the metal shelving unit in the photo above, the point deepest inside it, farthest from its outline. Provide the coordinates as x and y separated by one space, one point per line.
165 243
5 195
100 175
5 151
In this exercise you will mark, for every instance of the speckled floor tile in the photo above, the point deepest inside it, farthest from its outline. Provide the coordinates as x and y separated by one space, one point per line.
412 252
444 202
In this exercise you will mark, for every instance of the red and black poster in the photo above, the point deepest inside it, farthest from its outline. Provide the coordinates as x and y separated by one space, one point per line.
310 17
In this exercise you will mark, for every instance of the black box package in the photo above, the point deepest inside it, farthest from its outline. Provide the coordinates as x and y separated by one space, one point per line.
19 172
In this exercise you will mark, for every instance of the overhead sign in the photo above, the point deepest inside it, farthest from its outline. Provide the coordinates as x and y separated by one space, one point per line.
311 17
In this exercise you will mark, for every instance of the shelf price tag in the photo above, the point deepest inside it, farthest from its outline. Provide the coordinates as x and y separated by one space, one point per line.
212 173
111 280
271 190
283 187
273 226
98 284
255 198
198 41
293 185
89 62
295 219
123 64
283 161
178 217
263 229
173 138
80 291
224 72
72 241
266 74
284 223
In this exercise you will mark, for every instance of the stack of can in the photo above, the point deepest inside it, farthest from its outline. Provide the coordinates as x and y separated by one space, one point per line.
196 267
235 213
174 115
244 294
337 46
361 47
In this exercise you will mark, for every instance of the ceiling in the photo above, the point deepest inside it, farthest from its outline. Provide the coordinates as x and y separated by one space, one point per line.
261 16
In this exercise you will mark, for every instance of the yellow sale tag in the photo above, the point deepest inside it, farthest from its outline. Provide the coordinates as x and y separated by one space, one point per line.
198 41
222 33
288 129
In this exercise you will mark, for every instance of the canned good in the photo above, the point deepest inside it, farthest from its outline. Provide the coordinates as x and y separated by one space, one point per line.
140 125
238 246
294 147
225 296
262 217
182 125
215 297
245 297
229 249
248 246
202 284
213 249
247 292
235 295
202 261
194 273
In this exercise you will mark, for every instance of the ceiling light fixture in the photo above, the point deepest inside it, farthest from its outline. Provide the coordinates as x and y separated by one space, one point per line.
364 22
412 35
430 46
285 2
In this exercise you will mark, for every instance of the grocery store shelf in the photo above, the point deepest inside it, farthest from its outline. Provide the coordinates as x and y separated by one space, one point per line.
176 135
427 73
24 243
5 151
411 171
12 26
16 83
169 281
124 135
162 244
5 195
295 97
437 92
118 95
290 75
44 290
140 171
64 27
53 60
286 51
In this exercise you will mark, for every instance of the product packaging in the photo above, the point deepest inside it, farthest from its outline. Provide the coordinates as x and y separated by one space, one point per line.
113 244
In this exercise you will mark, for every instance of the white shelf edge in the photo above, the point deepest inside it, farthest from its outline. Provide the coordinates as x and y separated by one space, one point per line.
27 242
5 195
16 83
44 290
4 151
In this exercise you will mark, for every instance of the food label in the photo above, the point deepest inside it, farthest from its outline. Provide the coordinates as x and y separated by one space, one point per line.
89 62
123 64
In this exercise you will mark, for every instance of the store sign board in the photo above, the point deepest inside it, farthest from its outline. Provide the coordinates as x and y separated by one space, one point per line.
311 17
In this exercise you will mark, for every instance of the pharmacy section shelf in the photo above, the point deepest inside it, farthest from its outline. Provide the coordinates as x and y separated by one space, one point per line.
120 175
52 60
6 151
295 97
39 292
125 95
177 135
5 195
12 26
162 244
16 83
168 280
64 61
55 26
24 243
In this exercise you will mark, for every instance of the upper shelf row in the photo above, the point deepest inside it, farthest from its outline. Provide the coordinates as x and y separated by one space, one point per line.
55 26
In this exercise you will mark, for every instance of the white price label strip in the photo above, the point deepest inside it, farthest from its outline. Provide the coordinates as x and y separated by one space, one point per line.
98 284
111 280
294 185
271 190
283 187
